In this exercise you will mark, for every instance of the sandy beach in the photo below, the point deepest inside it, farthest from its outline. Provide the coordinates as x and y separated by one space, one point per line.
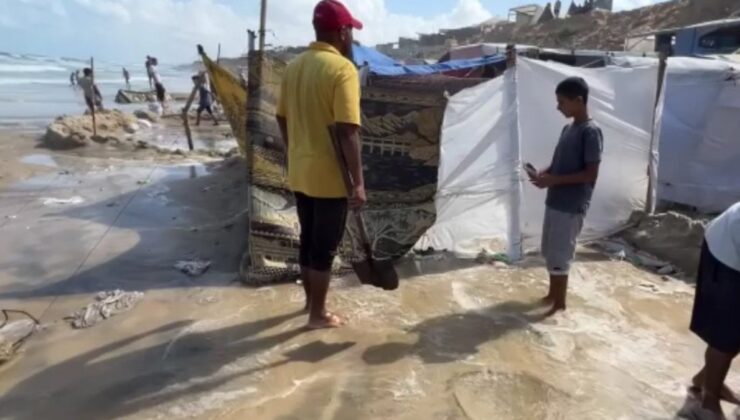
459 340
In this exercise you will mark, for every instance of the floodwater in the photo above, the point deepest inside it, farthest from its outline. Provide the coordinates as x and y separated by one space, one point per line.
456 341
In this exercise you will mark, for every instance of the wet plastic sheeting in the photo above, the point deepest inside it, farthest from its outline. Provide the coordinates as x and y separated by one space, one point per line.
491 129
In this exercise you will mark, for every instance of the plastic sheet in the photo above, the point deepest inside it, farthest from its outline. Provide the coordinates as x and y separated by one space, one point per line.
489 130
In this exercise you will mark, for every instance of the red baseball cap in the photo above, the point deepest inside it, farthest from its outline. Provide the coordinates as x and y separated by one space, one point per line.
331 15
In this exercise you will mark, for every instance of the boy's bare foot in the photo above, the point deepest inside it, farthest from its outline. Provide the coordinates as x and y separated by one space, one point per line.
329 320
696 412
725 395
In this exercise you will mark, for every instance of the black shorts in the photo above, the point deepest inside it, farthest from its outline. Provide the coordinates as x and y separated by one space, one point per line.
322 227
716 317
161 92
90 104
205 107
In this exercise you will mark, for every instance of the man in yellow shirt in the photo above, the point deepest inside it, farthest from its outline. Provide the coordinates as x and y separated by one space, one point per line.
320 89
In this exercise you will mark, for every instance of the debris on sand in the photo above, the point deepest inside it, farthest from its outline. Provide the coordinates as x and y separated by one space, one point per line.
194 267
69 132
14 334
62 201
107 304
485 257
137 97
672 237
620 250
145 115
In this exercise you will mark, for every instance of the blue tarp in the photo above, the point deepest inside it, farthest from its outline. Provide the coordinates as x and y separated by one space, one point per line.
383 65
371 56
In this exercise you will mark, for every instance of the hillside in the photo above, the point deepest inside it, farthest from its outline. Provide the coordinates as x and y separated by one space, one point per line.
607 31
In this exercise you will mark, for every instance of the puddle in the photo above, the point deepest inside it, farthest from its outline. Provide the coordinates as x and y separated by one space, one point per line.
40 160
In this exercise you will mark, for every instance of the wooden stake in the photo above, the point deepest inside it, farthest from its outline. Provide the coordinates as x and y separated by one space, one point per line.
218 56
263 23
94 98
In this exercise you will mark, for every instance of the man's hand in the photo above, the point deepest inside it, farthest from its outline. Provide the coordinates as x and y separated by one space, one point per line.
358 198
545 180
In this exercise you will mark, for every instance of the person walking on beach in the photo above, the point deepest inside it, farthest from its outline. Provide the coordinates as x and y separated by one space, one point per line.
716 315
205 100
570 182
320 89
148 65
158 86
93 98
73 79
127 78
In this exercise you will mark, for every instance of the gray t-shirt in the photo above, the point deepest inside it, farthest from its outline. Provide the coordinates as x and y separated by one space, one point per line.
579 145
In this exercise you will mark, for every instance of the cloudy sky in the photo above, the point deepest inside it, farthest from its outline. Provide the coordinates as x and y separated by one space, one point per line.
126 30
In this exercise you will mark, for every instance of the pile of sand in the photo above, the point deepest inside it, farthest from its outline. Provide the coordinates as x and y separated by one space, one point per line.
673 237
69 132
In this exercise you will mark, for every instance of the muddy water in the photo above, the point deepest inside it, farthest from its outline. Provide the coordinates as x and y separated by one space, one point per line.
456 341
463 344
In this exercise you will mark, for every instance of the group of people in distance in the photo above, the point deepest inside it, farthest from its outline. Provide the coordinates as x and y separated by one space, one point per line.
321 88
94 99
91 92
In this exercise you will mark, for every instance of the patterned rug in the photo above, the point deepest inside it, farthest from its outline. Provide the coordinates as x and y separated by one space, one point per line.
401 127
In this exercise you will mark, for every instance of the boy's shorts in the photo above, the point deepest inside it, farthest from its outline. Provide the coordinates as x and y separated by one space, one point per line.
559 237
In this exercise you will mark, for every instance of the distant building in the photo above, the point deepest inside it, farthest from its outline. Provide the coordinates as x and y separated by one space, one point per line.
531 14
589 6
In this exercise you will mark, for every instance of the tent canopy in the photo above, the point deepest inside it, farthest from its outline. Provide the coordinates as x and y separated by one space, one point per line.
373 57
382 65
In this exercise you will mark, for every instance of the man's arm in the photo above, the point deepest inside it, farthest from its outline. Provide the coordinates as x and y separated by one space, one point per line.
347 117
349 140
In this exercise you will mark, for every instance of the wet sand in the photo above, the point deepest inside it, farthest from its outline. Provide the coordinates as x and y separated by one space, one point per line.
456 341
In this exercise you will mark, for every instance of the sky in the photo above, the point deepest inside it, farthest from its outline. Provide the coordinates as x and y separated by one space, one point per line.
124 31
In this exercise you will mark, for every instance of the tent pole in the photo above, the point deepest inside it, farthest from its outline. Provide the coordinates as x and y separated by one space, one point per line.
651 199
514 239
94 98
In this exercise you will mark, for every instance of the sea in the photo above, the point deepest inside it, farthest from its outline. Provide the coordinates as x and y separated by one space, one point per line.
35 89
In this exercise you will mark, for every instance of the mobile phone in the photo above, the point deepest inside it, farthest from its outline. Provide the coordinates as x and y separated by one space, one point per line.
531 170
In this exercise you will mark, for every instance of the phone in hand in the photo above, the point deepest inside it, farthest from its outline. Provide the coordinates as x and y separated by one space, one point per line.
531 170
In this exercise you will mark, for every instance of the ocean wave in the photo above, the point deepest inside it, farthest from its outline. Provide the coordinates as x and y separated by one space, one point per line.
65 81
30 68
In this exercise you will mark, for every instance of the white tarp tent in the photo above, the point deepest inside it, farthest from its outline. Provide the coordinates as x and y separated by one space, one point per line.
700 134
490 129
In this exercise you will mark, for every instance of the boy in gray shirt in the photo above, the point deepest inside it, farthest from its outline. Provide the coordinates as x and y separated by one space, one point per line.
570 181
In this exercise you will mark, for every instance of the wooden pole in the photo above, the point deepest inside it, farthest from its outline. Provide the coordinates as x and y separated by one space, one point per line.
94 98
263 23
218 55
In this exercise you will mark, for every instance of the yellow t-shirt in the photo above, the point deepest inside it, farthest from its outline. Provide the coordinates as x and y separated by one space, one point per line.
319 88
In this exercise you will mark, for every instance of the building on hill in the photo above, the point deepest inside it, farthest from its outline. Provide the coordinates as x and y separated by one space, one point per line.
589 6
531 14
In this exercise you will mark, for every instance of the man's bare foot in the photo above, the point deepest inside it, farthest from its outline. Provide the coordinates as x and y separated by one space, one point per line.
547 301
329 320
554 310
